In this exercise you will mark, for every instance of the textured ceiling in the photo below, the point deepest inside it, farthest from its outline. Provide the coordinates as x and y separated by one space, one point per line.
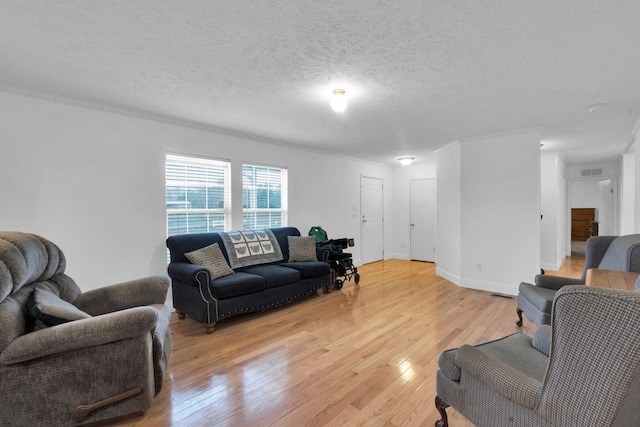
418 73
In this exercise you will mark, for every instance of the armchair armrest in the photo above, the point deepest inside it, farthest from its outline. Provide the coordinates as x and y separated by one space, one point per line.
542 339
134 293
509 382
80 334
556 282
632 258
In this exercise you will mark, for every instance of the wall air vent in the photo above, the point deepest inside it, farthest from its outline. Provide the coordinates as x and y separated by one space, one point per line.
592 172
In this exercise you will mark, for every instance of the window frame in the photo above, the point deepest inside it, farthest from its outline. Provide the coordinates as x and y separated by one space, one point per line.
283 188
222 166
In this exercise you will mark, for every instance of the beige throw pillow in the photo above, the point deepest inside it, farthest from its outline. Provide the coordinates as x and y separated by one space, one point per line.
211 258
302 248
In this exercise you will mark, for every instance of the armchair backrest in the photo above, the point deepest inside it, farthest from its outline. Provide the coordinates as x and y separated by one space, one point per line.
621 253
594 357
27 260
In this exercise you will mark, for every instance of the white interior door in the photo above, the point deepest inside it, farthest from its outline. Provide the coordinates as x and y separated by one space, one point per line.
605 211
423 220
371 219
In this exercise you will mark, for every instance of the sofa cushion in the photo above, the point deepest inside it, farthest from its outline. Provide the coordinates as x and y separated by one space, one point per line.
309 268
52 310
211 258
240 283
302 248
275 275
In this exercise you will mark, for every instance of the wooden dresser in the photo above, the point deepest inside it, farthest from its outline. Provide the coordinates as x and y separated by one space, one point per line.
582 221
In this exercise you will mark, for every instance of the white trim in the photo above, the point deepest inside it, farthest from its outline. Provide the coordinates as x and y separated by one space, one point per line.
536 129
448 276
382 214
174 121
636 127
615 225
490 287
551 267
195 159
401 256
444 147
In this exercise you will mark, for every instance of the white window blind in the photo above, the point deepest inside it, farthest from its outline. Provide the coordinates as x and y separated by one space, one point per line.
264 196
198 195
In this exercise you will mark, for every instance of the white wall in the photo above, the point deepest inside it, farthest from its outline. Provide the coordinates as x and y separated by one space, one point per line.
627 194
448 213
500 211
636 199
552 209
92 181
402 177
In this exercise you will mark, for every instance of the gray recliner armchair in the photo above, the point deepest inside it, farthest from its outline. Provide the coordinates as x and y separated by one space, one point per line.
572 373
70 358
605 252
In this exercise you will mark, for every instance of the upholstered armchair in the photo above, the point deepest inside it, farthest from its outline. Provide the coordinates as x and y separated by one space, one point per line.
583 370
70 358
604 252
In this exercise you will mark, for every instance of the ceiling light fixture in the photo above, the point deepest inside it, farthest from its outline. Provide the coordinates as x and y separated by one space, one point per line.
406 161
339 100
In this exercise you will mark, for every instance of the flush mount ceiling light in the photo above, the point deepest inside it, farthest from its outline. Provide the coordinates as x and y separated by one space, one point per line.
406 161
339 100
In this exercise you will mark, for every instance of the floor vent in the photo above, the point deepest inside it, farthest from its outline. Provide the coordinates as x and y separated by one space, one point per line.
502 296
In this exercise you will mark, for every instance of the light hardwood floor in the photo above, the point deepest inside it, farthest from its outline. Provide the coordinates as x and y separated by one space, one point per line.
364 355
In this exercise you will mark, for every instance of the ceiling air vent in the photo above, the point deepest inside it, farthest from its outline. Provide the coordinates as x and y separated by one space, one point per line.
591 172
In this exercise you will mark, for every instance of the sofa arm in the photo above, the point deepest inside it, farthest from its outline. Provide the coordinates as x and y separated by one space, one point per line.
556 282
80 334
189 273
509 382
134 293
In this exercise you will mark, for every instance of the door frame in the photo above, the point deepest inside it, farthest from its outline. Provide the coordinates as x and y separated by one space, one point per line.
616 205
411 219
362 176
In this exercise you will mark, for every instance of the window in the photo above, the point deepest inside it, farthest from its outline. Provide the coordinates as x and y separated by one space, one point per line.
264 196
197 195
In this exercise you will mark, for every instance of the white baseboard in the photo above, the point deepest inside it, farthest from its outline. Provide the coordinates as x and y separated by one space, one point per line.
404 257
498 288
552 267
446 275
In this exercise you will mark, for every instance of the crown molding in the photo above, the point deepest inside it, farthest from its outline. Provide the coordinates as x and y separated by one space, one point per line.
636 128
171 120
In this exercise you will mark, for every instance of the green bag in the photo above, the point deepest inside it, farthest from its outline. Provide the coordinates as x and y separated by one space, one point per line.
319 233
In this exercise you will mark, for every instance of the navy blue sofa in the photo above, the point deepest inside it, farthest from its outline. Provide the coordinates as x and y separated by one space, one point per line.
250 289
